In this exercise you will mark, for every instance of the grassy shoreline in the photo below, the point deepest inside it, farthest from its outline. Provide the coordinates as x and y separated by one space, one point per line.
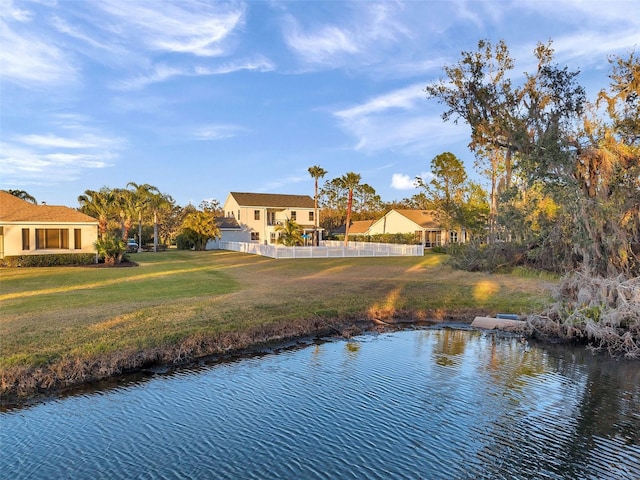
65 326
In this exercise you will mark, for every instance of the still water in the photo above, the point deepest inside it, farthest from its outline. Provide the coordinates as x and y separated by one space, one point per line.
420 404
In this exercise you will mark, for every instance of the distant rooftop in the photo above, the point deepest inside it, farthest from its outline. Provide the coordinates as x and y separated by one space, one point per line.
275 200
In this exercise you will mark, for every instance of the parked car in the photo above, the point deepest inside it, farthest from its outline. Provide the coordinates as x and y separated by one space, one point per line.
132 246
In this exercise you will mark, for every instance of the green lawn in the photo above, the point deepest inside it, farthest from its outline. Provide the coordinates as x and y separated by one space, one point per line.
60 314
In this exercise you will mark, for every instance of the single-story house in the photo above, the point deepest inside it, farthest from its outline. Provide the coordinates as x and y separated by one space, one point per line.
258 214
28 229
423 224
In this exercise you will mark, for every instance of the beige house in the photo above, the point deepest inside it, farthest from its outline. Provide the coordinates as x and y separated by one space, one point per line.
258 214
28 229
422 223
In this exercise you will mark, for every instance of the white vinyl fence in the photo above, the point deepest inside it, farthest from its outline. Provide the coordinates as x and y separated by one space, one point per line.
328 249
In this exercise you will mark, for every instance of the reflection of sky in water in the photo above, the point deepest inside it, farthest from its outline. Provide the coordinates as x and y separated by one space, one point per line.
430 403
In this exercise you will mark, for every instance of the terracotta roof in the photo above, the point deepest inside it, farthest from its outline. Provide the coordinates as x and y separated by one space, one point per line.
272 200
14 209
424 218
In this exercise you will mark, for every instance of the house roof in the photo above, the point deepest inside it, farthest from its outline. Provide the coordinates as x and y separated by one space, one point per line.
356 227
360 226
424 218
227 223
14 209
272 200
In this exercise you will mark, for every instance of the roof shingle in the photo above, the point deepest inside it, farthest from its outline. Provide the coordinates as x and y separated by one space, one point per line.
14 209
272 200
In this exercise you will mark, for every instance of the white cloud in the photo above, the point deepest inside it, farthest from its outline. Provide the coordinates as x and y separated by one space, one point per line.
394 121
27 60
401 181
405 99
217 132
184 27
160 73
323 45
9 11
54 158
55 141
365 30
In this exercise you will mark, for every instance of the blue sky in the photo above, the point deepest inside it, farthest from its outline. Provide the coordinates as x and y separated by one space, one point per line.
200 98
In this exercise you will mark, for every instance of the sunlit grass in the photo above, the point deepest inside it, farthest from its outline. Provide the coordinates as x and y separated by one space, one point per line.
53 313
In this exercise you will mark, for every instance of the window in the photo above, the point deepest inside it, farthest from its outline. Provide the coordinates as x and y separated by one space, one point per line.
50 238
293 215
256 214
255 236
311 216
453 237
25 239
238 215
273 237
77 238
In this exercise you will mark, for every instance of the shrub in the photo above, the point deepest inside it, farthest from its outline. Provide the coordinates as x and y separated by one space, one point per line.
111 249
396 238
475 257
184 242
48 260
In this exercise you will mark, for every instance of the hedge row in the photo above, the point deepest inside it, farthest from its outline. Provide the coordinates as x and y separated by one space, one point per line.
48 260
398 238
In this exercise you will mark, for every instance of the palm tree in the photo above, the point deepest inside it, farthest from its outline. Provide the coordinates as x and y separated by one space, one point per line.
141 200
289 233
22 195
349 182
125 204
316 173
99 205
159 202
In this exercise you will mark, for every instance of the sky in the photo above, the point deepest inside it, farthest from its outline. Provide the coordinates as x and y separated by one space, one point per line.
200 98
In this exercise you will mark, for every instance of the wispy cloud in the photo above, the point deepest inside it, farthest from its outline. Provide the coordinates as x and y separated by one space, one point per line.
397 121
194 27
403 99
51 158
282 182
27 58
160 73
85 141
217 132
358 39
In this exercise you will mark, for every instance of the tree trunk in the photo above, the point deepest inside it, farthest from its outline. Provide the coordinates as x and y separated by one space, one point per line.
346 230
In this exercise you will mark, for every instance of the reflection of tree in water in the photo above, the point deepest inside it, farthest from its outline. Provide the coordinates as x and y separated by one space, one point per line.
607 413
449 344
352 349
581 422
511 361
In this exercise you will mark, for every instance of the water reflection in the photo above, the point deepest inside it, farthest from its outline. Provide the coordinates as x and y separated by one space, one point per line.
436 404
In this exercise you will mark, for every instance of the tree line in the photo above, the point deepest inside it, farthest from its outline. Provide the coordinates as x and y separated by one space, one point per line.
564 170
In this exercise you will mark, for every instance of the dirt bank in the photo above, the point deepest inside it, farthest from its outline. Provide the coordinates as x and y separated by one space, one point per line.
20 385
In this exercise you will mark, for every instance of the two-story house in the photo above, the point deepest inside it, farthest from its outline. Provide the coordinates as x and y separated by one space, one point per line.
258 214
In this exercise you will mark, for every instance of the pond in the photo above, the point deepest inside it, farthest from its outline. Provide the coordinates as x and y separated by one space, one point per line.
416 404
